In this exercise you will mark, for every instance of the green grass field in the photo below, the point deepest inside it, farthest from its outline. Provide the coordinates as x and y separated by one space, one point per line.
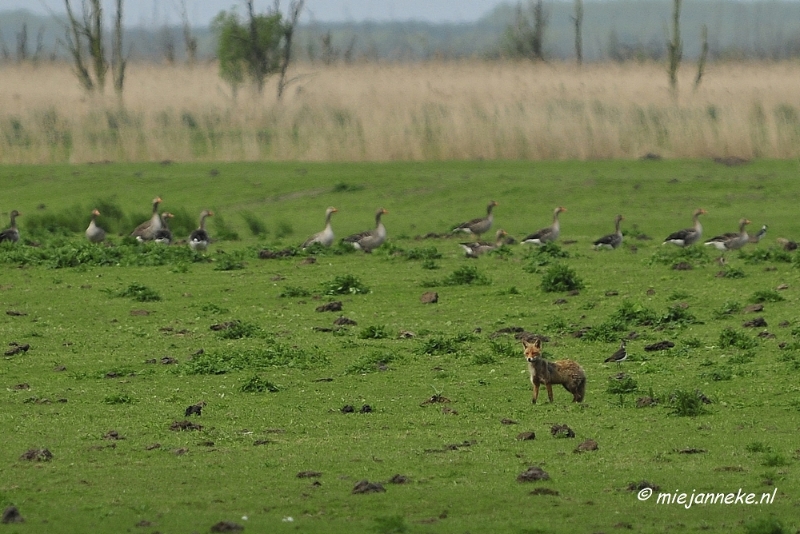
275 383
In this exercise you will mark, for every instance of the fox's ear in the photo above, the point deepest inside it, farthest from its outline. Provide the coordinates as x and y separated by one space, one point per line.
537 343
524 343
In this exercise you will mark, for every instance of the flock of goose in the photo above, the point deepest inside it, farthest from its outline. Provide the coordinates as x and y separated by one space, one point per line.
157 229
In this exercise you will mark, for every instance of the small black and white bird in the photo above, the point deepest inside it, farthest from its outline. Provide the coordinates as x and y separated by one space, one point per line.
620 356
760 235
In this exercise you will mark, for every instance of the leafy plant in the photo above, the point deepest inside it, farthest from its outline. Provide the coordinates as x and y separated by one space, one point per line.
256 384
734 338
256 226
119 398
229 262
346 284
560 278
239 330
426 253
293 292
728 308
374 332
466 275
686 404
766 295
139 293
619 387
370 363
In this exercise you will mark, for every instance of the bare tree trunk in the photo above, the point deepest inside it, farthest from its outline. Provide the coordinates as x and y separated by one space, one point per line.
118 61
675 47
37 54
22 43
74 43
701 62
295 7
258 60
578 20
93 24
539 25
4 53
189 40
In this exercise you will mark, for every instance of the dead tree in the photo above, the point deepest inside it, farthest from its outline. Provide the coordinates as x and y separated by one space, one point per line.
189 40
118 61
295 7
539 25
87 34
701 61
675 47
578 21
22 43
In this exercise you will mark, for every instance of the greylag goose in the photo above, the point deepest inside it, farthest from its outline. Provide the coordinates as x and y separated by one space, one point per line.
611 240
11 233
371 239
473 250
480 225
147 230
760 235
94 233
550 233
620 356
731 240
325 237
164 235
199 238
688 236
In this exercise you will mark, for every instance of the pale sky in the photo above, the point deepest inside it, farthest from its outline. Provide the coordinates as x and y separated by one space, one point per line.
148 12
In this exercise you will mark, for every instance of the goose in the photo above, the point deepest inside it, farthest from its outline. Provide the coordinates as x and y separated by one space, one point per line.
94 233
611 240
787 244
325 237
480 225
688 236
164 235
620 356
760 235
371 239
473 250
12 233
199 238
548 234
147 230
731 240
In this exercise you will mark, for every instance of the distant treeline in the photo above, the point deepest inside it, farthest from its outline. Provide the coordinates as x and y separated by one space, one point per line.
616 30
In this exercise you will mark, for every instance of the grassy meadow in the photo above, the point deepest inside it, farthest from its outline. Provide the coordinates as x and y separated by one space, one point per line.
115 333
404 112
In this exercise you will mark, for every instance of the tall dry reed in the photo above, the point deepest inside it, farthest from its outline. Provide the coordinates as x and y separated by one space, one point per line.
379 112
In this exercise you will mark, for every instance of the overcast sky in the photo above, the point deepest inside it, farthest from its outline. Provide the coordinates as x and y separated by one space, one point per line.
148 12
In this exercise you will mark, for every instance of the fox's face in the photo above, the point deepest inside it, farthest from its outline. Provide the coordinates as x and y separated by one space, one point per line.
532 350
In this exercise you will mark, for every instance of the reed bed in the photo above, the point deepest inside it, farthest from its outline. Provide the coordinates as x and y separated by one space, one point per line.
404 112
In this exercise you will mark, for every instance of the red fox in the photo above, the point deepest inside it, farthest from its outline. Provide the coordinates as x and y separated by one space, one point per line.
564 372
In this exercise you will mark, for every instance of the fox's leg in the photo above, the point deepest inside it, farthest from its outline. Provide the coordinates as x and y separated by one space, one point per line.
549 390
535 390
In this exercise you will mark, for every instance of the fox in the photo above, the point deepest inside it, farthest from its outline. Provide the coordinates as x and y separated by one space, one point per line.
565 372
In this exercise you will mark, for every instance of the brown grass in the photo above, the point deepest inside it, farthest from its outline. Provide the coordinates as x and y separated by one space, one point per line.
374 112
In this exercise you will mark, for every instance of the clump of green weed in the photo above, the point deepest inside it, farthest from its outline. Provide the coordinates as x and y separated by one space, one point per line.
686 404
560 278
744 357
119 398
346 284
256 226
762 255
344 187
367 364
240 330
766 295
140 293
673 255
283 229
374 332
504 348
222 230
766 525
484 358
213 308
425 253
619 387
774 460
732 272
677 315
728 308
630 313
466 275
544 255
734 338
607 331
439 345
757 446
293 291
256 384
229 262
394 524
557 325
430 265
272 354
718 375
